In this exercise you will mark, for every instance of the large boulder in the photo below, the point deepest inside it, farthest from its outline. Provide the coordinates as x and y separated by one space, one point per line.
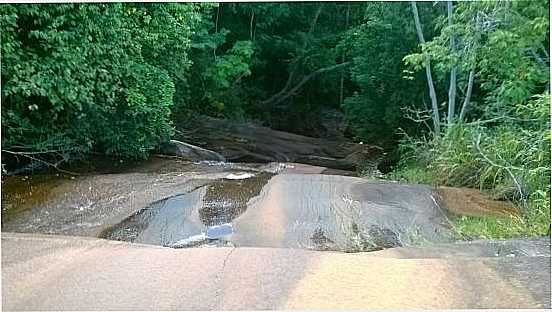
242 142
189 151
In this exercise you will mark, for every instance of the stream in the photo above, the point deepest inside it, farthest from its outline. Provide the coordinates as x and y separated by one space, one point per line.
180 204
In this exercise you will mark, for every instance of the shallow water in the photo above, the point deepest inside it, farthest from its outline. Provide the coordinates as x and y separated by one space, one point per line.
187 216
182 204
20 193
309 211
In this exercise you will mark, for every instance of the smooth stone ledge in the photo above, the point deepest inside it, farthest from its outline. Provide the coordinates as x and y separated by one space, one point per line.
42 272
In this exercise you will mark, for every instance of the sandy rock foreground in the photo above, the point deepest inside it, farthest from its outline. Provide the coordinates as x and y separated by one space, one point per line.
42 272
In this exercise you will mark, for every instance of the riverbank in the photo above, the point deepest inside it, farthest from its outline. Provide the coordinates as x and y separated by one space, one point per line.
531 218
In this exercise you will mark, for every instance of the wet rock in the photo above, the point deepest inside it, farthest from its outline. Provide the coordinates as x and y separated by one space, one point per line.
251 143
239 176
188 242
226 199
320 241
52 204
189 151
375 238
309 211
353 214
179 221
219 231
162 223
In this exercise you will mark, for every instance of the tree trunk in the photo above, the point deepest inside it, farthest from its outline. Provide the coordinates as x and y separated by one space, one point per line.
468 95
251 25
341 83
466 104
432 95
452 86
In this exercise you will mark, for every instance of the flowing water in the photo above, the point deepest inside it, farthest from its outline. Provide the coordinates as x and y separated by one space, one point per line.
182 204
191 216
311 211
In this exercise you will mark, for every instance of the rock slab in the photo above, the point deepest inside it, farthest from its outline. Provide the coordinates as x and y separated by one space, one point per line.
242 142
189 152
41 272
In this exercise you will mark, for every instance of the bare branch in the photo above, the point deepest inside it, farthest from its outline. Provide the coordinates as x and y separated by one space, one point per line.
30 156
418 116
508 169
285 94
295 63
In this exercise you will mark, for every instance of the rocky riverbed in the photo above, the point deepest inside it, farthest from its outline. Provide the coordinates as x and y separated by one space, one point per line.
170 202
301 236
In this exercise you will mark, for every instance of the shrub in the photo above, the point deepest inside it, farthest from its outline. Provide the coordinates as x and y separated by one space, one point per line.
510 160
82 78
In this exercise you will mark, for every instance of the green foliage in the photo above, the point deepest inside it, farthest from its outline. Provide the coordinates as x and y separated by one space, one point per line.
81 78
222 75
288 39
231 66
500 228
219 67
377 47
503 42
144 120
510 160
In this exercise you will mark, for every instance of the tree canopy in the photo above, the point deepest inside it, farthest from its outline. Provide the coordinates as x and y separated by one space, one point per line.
114 78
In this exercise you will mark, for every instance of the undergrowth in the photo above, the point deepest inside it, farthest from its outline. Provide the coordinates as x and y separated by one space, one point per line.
509 161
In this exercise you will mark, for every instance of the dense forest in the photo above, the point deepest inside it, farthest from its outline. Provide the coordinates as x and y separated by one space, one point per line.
457 93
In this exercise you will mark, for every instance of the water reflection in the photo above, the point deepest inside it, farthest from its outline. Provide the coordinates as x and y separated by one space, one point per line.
191 219
318 212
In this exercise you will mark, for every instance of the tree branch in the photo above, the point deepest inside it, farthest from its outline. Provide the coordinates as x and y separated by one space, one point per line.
488 160
30 156
285 94
294 65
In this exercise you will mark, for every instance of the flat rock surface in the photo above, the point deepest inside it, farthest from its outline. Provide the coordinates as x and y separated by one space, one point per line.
41 272
294 210
326 212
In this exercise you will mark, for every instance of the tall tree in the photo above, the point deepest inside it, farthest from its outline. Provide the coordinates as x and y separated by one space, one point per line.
452 83
429 77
